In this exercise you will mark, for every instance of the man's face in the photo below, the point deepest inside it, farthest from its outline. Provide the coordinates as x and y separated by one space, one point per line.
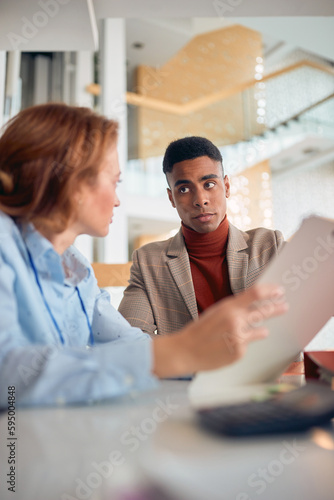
198 192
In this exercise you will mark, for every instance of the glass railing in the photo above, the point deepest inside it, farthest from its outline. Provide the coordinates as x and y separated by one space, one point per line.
290 94
278 111
322 117
144 177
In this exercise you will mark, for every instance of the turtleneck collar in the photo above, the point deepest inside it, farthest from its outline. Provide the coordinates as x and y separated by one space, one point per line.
206 244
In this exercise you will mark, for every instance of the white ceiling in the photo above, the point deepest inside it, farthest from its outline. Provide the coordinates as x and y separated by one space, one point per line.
163 37
160 39
60 25
164 27
212 8
312 34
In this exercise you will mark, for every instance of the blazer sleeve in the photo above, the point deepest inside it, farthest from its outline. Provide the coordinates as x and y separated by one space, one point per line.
279 240
136 306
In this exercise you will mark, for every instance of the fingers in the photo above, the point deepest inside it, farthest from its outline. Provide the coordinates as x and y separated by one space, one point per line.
222 333
262 292
257 304
240 314
263 302
258 334
236 339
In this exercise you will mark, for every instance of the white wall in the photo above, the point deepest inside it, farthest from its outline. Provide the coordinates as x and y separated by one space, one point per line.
301 193
324 339
295 196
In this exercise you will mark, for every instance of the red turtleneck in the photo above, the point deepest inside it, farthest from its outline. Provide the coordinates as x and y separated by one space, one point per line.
207 255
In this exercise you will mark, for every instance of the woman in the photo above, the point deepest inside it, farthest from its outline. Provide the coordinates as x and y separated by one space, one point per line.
60 339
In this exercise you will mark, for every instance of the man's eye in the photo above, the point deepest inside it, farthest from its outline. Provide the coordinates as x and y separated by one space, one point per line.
183 189
209 185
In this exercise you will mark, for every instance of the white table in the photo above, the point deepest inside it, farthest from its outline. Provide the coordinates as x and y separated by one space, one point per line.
104 451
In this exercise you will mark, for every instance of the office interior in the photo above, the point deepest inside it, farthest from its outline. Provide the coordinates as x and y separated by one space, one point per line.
259 85
257 78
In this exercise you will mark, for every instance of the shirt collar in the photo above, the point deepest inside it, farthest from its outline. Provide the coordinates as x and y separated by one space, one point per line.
37 245
71 267
75 268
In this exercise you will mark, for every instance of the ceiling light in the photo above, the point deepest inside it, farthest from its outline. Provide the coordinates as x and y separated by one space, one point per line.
138 45
311 151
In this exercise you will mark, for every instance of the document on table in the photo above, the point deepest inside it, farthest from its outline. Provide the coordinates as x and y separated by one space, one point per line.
305 268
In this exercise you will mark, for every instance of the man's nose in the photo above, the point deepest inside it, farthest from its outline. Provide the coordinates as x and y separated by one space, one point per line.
201 199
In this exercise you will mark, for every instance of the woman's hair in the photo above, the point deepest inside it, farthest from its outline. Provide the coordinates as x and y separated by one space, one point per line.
46 153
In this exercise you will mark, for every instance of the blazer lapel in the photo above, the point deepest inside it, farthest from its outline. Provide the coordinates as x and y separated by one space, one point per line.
237 260
179 266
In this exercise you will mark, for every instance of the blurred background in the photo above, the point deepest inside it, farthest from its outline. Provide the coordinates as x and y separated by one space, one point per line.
257 82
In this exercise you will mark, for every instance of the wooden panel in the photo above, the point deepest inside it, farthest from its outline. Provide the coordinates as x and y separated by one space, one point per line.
221 123
111 274
144 239
185 108
210 63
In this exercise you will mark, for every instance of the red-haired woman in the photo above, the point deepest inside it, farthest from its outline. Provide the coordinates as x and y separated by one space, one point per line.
60 339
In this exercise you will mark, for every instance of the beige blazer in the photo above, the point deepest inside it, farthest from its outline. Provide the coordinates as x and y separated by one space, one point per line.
160 296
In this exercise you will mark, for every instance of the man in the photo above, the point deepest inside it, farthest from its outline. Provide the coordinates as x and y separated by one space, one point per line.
174 281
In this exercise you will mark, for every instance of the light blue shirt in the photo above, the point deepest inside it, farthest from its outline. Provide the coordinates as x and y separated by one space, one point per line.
32 357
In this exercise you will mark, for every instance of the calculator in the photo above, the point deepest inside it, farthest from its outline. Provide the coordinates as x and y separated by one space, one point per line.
295 410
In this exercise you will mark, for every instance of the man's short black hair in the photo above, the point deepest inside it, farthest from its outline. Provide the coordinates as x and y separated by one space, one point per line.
190 148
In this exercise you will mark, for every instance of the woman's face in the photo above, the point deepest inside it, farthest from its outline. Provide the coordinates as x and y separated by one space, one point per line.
95 204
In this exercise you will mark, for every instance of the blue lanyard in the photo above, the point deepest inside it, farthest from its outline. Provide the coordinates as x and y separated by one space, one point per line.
91 336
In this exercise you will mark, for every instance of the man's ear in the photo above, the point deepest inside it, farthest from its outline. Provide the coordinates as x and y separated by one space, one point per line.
170 196
227 186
